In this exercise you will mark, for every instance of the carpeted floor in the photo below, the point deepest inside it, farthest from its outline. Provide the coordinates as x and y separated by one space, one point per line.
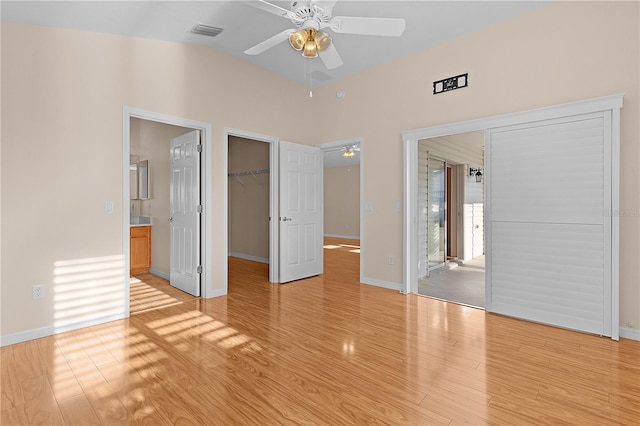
463 284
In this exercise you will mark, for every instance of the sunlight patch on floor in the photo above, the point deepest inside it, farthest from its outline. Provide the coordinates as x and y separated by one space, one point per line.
350 246
182 327
148 298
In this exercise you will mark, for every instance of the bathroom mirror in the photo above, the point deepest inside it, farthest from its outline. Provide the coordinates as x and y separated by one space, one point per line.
133 177
143 180
138 178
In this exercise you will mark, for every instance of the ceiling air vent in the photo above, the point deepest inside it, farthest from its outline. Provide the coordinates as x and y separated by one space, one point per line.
206 30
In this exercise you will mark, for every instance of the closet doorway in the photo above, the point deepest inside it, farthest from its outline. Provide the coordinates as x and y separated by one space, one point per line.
249 200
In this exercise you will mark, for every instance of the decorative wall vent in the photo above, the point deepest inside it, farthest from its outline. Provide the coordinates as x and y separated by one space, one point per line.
451 83
206 30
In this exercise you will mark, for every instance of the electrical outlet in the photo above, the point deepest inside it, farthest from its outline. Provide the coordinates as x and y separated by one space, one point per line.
391 260
37 292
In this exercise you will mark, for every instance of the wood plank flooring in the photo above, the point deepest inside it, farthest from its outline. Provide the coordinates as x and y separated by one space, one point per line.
325 350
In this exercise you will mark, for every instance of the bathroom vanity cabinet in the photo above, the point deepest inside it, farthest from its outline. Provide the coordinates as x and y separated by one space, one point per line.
140 249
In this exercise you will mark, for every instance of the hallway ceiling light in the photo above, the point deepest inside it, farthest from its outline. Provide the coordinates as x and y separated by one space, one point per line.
348 152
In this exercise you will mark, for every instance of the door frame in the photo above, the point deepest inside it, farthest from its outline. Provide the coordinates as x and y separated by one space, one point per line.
335 144
206 237
274 239
410 139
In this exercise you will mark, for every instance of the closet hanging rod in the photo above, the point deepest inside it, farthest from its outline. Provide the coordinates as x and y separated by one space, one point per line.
249 172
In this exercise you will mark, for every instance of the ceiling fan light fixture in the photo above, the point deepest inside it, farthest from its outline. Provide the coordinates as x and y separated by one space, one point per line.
309 16
297 39
322 41
310 48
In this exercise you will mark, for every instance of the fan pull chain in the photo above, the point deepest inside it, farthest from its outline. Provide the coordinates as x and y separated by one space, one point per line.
309 74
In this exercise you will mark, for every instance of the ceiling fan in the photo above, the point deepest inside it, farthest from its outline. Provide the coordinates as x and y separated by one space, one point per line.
347 151
311 16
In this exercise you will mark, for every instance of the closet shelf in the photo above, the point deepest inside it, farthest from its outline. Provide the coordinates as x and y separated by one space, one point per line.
249 173
253 173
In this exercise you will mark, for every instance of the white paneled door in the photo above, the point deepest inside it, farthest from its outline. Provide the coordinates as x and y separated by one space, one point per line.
549 189
185 213
301 211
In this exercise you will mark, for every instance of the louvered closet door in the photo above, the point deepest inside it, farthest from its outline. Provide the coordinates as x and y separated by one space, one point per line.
549 237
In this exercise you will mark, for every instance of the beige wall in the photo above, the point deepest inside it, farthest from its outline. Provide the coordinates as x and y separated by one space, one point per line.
248 200
152 141
63 93
342 201
62 98
564 52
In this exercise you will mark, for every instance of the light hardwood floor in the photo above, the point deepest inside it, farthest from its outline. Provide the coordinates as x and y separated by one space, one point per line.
326 350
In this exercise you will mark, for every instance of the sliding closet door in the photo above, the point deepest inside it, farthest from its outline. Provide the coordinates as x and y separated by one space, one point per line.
549 237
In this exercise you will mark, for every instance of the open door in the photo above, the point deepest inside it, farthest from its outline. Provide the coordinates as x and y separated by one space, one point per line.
301 211
185 213
436 214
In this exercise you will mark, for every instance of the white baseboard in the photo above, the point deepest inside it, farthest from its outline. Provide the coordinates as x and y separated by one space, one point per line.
216 293
249 257
348 237
37 333
159 273
383 284
630 333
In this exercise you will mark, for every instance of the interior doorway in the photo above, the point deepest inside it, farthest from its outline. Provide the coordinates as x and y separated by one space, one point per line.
253 190
248 200
450 235
160 249
295 205
147 128
343 189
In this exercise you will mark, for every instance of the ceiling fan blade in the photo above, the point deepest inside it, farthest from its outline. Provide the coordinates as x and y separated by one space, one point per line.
272 8
330 57
269 43
368 26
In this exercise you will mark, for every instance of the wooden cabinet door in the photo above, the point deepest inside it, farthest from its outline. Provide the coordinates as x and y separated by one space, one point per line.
140 249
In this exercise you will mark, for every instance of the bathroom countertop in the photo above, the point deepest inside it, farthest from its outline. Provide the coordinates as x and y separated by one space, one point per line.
140 221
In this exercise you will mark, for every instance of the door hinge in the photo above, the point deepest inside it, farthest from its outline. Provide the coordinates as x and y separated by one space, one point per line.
199 269
199 147
199 208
